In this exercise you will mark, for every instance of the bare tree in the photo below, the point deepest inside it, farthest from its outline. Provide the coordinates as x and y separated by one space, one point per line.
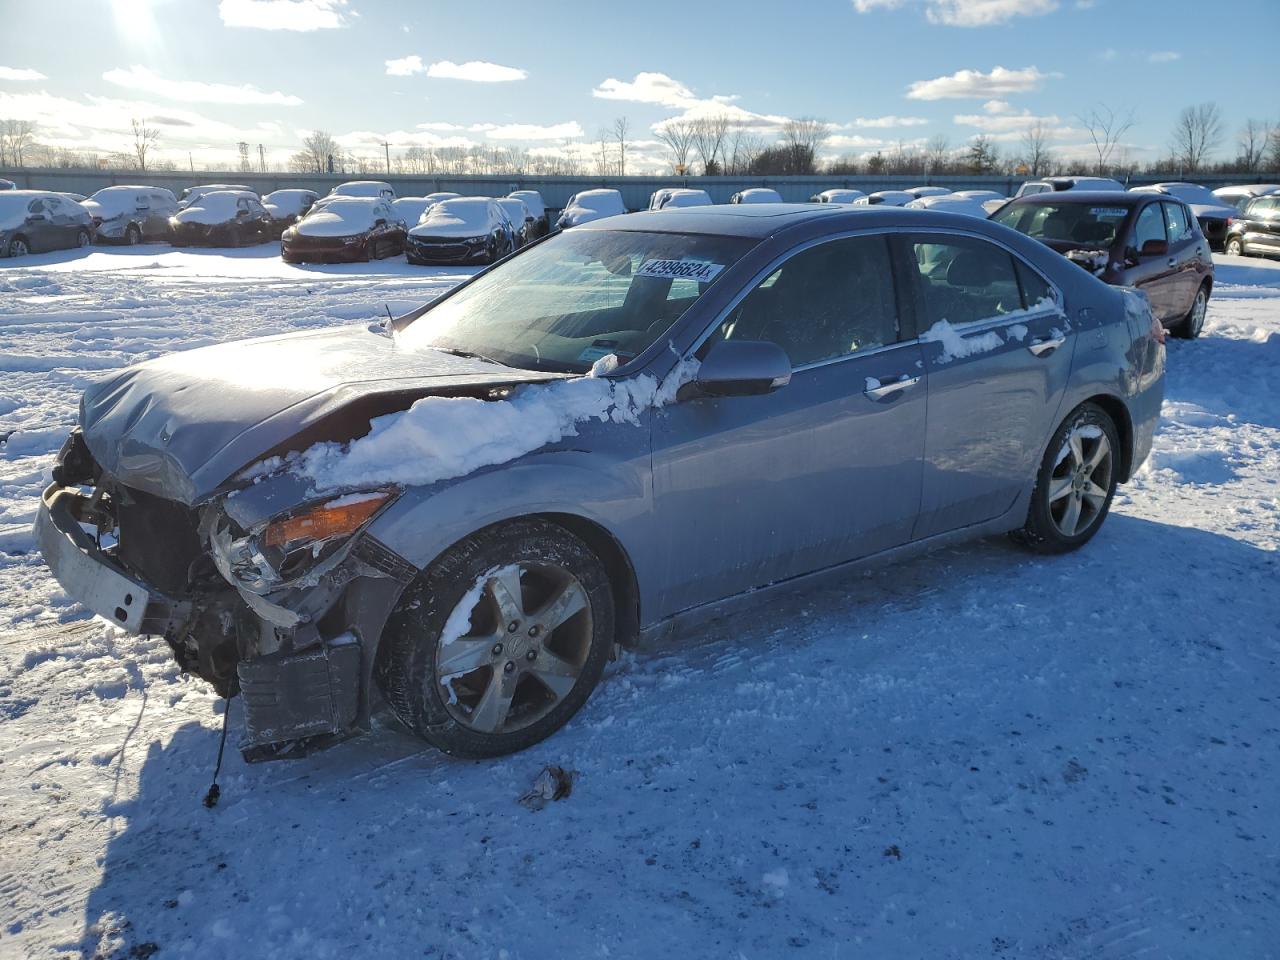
708 140
802 139
937 153
1105 128
621 129
1035 148
1196 134
318 151
983 156
16 136
144 138
1254 139
743 149
677 136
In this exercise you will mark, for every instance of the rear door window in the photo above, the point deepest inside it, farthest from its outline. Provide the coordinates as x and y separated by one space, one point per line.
1177 222
965 280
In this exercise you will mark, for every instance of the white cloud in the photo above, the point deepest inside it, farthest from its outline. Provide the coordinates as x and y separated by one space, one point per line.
1163 56
966 13
21 73
997 106
300 15
881 123
195 91
440 126
405 66
477 71
975 83
1011 126
662 90
533 131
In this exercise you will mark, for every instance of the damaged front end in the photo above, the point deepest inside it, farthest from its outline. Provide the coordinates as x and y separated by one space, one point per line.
260 591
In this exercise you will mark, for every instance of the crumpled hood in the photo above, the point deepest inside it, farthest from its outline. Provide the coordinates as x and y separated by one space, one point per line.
180 426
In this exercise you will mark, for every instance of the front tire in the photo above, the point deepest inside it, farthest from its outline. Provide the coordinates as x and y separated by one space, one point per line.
1190 326
1235 247
18 247
132 235
1075 483
500 641
83 239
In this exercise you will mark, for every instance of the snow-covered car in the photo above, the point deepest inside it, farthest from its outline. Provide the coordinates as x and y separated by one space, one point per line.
1256 228
192 194
76 197
1147 241
990 199
687 197
1053 184
919 192
131 214
756 195
223 218
344 230
660 196
36 221
949 203
462 230
1213 213
288 206
590 205
377 189
411 209
533 200
612 434
7 184
519 218
888 198
837 195
1239 195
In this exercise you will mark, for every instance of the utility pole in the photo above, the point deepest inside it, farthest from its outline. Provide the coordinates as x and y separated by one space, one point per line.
262 159
191 163
386 149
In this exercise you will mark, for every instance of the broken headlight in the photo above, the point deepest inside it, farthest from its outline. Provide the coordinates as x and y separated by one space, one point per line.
293 544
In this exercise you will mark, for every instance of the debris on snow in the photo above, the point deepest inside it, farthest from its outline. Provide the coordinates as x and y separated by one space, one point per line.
553 783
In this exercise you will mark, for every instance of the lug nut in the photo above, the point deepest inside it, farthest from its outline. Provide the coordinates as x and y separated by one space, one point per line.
509 667
534 630
531 655
497 649
513 626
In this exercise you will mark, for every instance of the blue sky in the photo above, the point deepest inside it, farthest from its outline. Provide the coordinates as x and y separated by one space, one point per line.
547 75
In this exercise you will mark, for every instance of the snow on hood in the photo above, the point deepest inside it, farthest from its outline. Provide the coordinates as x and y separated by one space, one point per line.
181 425
439 438
112 202
890 198
460 217
13 209
363 188
212 208
688 198
338 218
592 205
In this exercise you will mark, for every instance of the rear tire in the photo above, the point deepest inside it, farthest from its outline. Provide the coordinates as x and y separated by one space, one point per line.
1235 247
83 239
1190 326
132 235
1075 483
18 247
500 641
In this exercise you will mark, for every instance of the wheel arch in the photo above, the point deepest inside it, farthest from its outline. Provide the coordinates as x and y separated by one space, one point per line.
617 564
1118 411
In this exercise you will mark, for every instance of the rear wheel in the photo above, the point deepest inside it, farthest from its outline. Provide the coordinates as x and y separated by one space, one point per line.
500 641
1235 247
18 247
1075 484
1189 327
83 238
132 235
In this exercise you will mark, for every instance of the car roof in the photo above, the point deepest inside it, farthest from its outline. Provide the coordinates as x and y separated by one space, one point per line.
1114 198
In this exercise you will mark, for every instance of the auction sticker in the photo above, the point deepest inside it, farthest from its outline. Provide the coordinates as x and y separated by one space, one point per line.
1108 211
699 270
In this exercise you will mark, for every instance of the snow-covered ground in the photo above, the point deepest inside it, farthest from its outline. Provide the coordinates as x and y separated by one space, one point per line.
976 754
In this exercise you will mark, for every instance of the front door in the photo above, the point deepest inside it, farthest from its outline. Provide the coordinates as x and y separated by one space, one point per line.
752 490
997 349
1156 275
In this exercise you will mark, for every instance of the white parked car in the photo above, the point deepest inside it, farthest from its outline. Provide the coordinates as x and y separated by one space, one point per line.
131 214
521 220
687 198
364 188
590 205
1211 212
757 195
890 198
1050 184
991 200
411 209
287 207
537 209
949 203
1240 195
837 195
919 192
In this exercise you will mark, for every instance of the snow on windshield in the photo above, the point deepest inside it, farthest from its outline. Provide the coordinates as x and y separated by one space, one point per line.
352 214
212 208
464 212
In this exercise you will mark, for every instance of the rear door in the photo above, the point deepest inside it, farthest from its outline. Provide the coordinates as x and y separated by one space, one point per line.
752 490
1184 250
1155 274
997 350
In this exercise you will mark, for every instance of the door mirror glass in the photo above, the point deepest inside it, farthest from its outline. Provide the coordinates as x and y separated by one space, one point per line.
742 368
1155 248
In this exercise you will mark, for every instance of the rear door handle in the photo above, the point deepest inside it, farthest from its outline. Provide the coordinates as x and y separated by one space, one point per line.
1042 348
882 390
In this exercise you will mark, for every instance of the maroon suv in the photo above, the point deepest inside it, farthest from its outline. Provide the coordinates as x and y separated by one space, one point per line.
1148 241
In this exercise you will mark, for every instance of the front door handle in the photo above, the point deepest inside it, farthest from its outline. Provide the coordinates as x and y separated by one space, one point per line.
1042 348
878 391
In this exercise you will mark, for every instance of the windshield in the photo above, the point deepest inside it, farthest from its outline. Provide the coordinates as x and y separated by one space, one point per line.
577 297
471 213
1089 224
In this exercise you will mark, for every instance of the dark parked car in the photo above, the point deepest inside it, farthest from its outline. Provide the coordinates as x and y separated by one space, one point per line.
130 215
1142 240
533 200
32 221
344 230
564 477
463 230
191 194
7 184
1256 230
523 225
1055 184
224 218
287 207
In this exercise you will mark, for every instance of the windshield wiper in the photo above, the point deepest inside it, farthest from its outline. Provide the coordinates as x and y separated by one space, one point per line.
470 355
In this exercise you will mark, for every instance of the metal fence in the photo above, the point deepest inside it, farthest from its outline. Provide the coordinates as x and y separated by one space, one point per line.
555 191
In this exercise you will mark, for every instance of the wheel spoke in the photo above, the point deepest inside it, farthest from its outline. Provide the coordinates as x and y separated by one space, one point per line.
1095 494
464 655
556 675
1059 487
1071 516
491 711
1100 453
504 588
566 603
1077 449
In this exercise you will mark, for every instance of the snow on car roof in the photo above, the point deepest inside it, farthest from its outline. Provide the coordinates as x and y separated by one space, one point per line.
217 206
515 207
472 211
598 201
361 188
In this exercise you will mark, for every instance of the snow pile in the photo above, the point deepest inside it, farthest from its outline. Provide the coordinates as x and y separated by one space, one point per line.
956 346
439 438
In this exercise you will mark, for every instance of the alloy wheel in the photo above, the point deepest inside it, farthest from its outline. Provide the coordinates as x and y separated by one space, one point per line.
83 239
526 640
18 248
1235 247
1195 320
1081 480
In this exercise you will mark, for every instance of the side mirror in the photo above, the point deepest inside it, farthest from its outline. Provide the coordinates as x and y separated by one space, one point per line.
1155 248
741 368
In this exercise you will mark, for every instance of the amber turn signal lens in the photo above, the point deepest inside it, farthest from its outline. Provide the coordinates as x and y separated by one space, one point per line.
333 519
